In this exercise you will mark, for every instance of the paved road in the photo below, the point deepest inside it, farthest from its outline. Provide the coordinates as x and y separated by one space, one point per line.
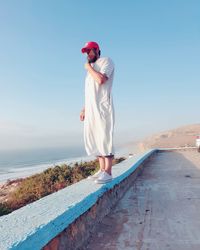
160 211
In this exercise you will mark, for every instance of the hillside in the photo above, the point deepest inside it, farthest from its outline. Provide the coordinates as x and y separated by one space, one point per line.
179 137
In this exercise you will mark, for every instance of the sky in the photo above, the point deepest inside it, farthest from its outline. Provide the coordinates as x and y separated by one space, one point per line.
155 46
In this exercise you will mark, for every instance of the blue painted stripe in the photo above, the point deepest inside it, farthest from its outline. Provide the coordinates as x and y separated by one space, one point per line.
40 236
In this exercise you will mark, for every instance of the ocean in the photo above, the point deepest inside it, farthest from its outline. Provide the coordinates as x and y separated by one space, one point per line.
21 163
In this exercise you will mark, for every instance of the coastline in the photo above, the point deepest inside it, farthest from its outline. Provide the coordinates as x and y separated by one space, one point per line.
13 177
22 172
9 181
28 170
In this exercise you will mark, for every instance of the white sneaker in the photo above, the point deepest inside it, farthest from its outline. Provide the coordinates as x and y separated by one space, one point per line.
105 177
96 175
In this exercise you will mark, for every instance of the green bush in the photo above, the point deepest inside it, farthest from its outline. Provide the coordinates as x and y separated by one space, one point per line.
49 181
4 209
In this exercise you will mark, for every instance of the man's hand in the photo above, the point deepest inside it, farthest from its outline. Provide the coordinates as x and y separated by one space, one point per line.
82 115
100 78
87 66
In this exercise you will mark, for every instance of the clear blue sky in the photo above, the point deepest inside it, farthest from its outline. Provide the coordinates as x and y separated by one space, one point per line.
155 46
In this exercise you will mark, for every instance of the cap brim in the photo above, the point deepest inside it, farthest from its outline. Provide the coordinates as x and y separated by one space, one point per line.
83 50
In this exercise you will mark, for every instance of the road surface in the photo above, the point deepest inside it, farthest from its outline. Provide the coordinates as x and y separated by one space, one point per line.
160 211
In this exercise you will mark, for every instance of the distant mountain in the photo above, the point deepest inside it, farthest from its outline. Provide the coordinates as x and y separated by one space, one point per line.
179 137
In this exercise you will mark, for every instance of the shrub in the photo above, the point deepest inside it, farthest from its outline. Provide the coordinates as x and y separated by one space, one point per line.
4 209
49 181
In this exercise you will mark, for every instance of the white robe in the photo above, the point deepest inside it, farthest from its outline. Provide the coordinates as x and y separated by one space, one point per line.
99 111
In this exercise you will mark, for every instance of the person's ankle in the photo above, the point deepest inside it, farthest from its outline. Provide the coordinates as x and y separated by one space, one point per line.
108 172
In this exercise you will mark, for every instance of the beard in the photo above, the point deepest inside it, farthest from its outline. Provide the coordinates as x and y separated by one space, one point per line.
92 60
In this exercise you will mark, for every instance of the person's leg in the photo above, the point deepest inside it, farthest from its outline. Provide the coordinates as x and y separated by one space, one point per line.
108 164
101 163
102 168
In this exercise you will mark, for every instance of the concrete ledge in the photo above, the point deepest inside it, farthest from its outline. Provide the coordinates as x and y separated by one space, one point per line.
177 149
65 219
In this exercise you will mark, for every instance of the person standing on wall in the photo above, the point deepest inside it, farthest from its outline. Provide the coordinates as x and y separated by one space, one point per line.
98 113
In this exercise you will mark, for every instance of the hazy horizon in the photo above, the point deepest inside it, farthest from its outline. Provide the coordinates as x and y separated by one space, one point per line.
154 45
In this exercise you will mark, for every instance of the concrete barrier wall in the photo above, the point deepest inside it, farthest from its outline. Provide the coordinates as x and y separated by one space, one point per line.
65 219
